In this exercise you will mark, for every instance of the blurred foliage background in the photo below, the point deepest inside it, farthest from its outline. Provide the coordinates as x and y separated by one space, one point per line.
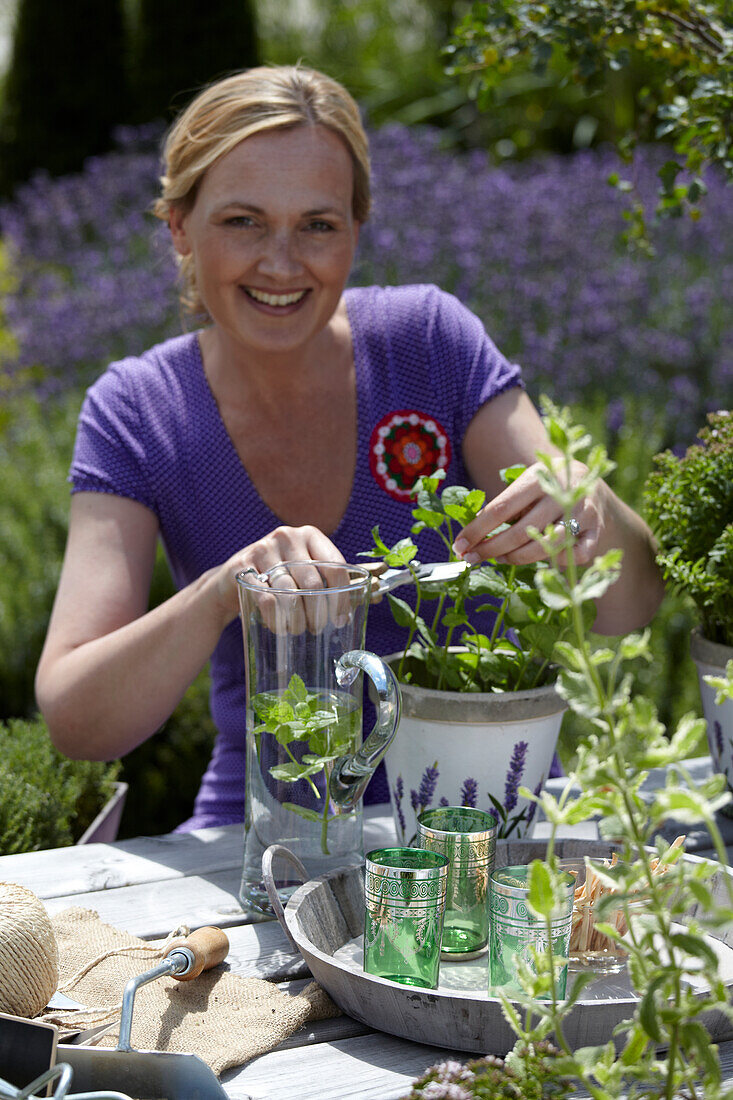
508 208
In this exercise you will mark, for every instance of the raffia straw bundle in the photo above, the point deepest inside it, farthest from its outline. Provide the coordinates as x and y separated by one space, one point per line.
29 958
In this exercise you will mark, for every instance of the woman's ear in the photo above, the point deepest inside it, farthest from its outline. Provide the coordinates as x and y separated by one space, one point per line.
177 226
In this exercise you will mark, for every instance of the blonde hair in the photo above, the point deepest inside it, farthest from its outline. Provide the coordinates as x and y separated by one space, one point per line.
269 97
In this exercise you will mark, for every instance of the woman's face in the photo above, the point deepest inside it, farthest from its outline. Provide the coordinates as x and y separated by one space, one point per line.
272 236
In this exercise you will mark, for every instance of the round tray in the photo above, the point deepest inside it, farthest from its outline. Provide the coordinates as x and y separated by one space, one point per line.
325 919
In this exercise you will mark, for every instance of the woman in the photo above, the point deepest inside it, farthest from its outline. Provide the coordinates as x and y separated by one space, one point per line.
261 438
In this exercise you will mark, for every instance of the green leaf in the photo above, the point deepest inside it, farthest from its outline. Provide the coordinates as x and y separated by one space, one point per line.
695 1038
297 690
539 896
402 613
485 581
428 518
302 811
510 473
687 806
648 1009
319 761
553 590
401 553
701 894
635 645
292 772
589 1057
453 618
695 946
634 1048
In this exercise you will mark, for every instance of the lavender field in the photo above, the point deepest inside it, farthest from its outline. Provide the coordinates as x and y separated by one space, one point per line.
534 248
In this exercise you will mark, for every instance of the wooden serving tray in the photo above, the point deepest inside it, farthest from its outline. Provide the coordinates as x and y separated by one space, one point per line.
325 918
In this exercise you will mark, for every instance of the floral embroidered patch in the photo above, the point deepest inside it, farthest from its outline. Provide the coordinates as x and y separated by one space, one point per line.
405 445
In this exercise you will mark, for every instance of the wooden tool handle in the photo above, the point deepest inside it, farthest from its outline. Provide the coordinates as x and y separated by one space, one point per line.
209 947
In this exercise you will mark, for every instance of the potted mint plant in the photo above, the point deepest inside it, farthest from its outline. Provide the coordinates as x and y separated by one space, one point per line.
689 505
480 714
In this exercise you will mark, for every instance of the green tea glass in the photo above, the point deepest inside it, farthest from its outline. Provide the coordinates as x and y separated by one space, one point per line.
467 838
515 931
404 895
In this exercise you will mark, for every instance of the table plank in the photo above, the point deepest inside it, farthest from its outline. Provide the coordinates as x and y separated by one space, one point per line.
369 1067
59 872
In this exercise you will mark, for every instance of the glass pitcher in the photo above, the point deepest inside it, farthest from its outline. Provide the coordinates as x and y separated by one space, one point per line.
304 625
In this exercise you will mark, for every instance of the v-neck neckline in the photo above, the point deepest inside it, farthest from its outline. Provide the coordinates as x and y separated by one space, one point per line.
233 453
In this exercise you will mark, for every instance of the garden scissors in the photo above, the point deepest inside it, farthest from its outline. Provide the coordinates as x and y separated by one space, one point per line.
384 579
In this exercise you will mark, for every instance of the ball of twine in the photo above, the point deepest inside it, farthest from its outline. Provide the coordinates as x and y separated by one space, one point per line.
29 957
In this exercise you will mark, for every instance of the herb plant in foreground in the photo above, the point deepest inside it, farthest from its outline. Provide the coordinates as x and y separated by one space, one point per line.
672 963
319 722
689 504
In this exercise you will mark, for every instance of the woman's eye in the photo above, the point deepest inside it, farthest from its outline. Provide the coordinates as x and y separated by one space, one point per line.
239 221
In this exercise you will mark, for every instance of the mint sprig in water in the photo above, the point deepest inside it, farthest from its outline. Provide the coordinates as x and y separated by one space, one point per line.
298 715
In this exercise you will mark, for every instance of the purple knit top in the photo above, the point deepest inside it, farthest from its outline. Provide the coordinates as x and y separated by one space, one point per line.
150 430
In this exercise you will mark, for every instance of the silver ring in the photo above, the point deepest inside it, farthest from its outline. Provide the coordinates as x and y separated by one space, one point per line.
275 572
572 526
261 577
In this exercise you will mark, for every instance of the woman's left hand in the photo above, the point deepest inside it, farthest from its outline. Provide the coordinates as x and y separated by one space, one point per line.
524 504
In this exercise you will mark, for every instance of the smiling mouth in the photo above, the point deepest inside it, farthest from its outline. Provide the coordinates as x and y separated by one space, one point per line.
275 299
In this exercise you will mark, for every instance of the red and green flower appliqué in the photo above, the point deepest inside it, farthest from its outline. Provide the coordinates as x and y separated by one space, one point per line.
405 445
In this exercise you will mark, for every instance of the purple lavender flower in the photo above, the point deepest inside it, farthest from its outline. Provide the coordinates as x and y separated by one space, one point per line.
533 805
514 775
469 793
444 801
92 279
427 786
399 792
415 801
718 739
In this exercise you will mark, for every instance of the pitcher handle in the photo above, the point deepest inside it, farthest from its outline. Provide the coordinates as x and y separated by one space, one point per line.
269 854
352 773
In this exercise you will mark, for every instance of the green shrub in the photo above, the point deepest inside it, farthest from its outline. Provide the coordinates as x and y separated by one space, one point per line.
47 800
689 503
35 451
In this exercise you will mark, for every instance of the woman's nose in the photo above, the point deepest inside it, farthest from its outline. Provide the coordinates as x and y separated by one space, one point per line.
280 256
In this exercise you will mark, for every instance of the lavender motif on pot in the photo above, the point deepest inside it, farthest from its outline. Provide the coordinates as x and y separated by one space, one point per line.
469 791
509 822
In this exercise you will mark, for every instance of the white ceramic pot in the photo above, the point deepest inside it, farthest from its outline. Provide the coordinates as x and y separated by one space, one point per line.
458 747
711 659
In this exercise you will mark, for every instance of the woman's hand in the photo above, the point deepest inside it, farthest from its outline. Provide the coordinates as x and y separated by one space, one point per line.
302 544
524 504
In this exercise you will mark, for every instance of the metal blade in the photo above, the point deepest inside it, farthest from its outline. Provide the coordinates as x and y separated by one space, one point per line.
428 573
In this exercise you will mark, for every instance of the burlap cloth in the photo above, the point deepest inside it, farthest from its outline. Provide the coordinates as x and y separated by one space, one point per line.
223 1018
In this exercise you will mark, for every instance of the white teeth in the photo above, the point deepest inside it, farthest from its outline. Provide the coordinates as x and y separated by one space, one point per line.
275 299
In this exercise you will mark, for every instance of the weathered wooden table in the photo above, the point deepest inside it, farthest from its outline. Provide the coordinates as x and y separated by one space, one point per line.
149 885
